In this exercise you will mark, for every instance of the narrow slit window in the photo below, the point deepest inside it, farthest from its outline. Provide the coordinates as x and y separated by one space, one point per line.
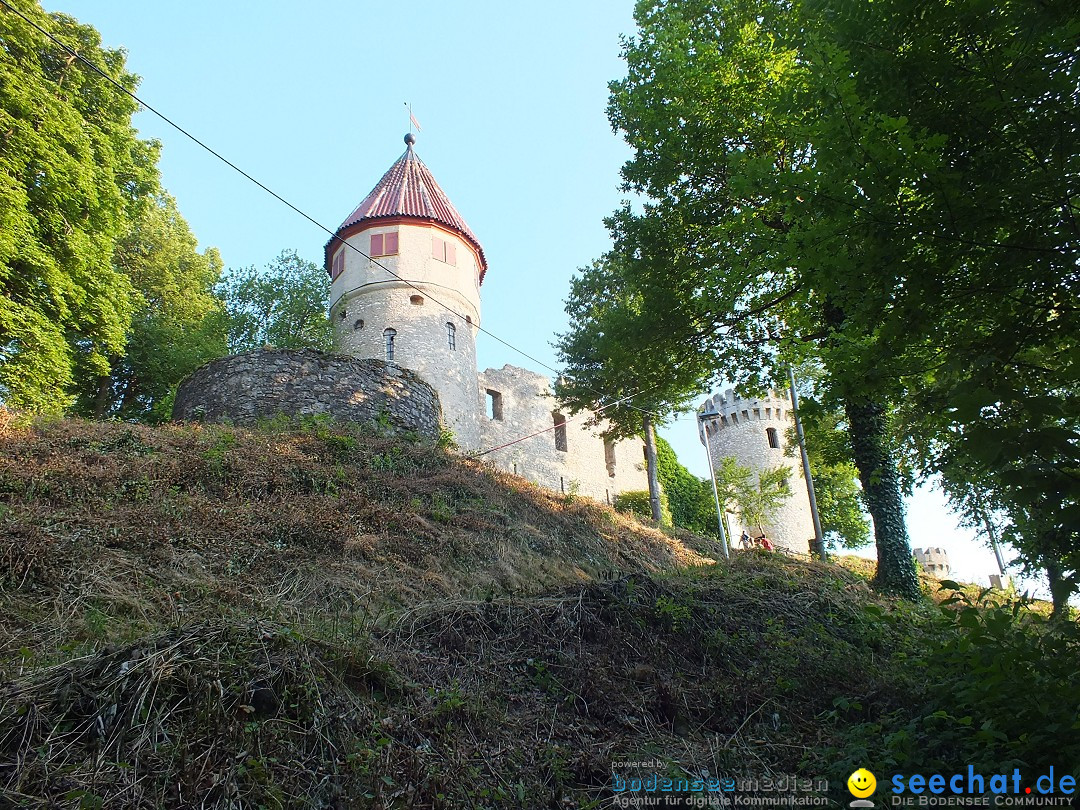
389 335
494 405
609 457
774 438
560 431
451 336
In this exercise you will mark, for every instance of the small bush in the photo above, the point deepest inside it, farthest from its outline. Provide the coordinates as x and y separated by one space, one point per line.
636 502
1000 693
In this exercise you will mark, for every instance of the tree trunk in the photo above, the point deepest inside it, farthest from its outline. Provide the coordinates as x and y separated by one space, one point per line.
101 399
1060 588
650 460
881 488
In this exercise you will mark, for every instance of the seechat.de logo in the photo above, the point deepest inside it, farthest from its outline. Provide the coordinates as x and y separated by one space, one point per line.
861 784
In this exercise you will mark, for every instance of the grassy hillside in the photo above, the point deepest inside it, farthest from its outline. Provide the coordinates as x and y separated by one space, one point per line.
199 616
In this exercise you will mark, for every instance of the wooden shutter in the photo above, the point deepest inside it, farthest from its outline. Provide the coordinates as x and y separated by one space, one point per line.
451 253
390 244
377 244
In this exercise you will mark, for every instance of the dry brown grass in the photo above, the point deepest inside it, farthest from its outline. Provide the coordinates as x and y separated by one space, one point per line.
212 617
152 527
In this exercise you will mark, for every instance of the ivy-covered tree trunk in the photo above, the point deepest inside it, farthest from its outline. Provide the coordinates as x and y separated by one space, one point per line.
881 487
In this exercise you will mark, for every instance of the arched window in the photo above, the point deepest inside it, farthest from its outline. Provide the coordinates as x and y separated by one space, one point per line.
389 335
774 438
451 336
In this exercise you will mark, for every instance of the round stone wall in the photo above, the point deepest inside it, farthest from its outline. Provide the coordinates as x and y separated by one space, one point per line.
244 388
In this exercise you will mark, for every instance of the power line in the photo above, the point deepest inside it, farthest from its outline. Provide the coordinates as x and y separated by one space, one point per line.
563 423
333 234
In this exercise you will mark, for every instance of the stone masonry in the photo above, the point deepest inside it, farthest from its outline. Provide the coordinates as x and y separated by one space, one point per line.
754 433
246 387
935 561
575 459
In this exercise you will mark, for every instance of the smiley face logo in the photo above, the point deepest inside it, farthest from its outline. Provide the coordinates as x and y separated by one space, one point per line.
861 783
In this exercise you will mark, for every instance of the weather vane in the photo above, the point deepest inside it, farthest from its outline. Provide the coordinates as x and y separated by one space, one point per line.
412 119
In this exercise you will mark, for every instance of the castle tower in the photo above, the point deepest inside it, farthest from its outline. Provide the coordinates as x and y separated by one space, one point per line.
423 314
935 561
754 433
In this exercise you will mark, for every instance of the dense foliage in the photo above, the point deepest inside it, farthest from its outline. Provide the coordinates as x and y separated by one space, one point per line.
72 172
105 300
889 188
283 305
998 692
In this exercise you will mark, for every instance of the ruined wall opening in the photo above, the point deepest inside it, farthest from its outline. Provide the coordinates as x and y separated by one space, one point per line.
609 457
494 405
560 431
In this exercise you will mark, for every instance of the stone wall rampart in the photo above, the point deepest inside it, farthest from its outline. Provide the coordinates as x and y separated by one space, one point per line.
244 388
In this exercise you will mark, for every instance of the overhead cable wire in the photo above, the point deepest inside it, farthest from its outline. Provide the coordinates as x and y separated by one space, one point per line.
333 234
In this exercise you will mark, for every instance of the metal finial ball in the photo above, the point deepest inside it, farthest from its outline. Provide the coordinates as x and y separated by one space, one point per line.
410 139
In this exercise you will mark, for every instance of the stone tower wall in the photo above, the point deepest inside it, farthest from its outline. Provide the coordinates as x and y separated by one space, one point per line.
366 300
935 561
244 388
742 431
587 466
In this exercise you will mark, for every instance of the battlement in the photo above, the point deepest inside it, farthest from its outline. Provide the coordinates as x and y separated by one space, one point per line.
733 410
935 561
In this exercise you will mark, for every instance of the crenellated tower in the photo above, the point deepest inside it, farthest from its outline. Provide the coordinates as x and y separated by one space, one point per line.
423 310
754 432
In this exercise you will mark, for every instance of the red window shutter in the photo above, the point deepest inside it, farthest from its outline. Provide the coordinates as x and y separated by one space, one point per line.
391 243
451 253
377 244
438 249
339 263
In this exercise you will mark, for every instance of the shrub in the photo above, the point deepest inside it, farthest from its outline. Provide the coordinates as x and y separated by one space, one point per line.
636 502
1000 693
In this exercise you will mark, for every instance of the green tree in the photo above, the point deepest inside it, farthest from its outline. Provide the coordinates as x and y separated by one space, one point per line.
757 497
177 323
947 149
718 105
690 498
604 371
839 498
283 305
71 169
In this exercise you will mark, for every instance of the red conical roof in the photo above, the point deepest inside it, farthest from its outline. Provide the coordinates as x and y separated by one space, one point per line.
408 189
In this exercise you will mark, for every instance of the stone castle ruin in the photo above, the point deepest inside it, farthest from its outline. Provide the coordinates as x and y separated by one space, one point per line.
406 274
754 433
405 322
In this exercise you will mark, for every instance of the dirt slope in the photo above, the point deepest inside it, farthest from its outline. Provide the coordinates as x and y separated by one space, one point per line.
212 617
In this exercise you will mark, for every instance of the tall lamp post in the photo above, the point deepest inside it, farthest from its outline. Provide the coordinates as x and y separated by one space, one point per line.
819 538
705 416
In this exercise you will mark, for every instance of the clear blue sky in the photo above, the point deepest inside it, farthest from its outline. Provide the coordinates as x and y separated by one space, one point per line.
309 98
